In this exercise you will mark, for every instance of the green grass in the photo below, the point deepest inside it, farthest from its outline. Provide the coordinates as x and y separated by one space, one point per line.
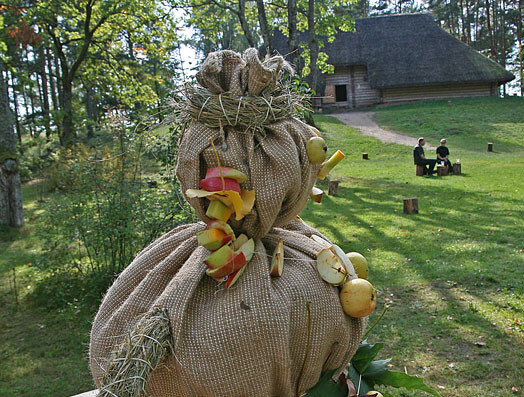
452 275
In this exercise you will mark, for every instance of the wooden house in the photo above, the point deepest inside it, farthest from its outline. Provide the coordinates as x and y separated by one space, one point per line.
400 58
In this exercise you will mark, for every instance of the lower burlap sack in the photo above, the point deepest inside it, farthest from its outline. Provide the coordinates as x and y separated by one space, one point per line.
251 340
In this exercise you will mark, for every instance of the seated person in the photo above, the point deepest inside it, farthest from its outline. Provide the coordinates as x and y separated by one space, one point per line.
420 159
443 155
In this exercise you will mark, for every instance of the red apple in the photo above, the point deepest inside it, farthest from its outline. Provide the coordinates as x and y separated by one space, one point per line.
248 249
227 172
220 257
231 266
316 194
233 277
213 239
215 184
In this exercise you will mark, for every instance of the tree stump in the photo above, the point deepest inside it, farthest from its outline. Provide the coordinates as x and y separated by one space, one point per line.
333 188
411 206
457 169
365 156
490 146
420 170
442 170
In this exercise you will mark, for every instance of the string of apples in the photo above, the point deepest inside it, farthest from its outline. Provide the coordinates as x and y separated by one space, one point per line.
357 296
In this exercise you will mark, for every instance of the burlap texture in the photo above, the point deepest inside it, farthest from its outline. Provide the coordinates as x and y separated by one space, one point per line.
247 341
273 157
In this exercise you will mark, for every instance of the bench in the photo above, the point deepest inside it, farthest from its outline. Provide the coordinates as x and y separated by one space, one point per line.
420 170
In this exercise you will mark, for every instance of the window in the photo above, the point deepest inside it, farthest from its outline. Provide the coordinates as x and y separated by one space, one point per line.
341 93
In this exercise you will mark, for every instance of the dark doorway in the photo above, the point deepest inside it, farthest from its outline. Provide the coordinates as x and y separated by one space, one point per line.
341 94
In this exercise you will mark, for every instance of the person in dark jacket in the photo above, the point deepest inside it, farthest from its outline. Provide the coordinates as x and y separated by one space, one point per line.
443 155
419 158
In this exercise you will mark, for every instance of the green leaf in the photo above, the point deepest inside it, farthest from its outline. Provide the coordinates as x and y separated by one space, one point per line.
354 376
376 368
399 379
326 387
365 355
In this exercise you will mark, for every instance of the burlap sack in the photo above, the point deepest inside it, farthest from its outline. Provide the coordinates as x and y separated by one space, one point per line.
247 341
273 157
250 340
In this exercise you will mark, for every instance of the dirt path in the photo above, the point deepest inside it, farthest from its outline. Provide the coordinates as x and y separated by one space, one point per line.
363 121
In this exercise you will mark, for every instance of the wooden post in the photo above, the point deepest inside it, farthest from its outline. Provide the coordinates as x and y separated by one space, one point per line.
420 170
442 170
411 206
365 156
490 146
333 188
457 169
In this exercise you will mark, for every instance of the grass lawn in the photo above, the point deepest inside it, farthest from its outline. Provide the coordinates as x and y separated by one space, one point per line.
452 275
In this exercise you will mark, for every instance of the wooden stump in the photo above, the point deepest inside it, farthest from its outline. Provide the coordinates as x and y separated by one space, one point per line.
490 146
411 206
420 170
457 169
442 170
333 188
365 156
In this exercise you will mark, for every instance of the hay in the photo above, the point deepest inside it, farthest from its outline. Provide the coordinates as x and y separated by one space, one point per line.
195 103
141 351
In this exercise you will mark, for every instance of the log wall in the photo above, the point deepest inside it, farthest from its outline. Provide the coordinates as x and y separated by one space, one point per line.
391 95
359 92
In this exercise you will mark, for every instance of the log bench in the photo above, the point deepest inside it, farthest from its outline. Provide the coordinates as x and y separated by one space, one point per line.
420 170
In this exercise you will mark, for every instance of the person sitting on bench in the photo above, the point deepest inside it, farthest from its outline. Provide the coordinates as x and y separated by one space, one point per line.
420 159
443 155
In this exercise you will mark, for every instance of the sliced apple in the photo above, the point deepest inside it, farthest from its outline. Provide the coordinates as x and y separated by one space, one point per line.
320 240
233 277
240 240
213 239
216 185
331 270
217 210
227 172
238 261
220 257
316 194
330 164
340 254
248 249
221 225
277 263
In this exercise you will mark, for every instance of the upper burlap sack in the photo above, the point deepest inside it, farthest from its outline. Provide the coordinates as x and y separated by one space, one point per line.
251 340
273 156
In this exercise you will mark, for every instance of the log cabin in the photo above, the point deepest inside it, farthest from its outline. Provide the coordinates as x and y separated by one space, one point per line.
402 58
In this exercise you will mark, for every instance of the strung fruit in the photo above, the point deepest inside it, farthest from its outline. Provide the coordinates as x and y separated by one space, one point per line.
316 194
238 261
221 225
216 185
359 263
330 164
227 172
330 268
217 210
317 132
277 263
233 277
321 241
241 240
374 393
220 257
213 239
316 150
248 249
358 298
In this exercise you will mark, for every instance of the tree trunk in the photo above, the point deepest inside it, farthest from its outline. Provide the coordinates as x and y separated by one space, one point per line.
313 46
244 24
89 111
17 115
45 92
68 135
51 80
519 39
266 35
11 212
292 40
490 31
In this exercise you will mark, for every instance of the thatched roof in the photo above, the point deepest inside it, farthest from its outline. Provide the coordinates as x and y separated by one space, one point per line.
408 50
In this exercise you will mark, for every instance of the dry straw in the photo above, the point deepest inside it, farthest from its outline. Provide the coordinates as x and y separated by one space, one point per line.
195 103
141 351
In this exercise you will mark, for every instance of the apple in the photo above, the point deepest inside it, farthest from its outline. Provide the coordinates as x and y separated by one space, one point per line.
240 240
343 259
330 268
221 225
330 164
227 172
321 241
316 194
374 393
248 249
215 184
213 239
316 150
239 260
220 257
277 262
217 210
358 298
233 277
315 131
359 263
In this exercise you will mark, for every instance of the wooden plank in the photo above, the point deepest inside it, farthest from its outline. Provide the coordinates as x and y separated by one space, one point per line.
333 188
329 94
411 206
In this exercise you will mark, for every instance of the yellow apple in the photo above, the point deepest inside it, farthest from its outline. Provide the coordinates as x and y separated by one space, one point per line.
359 263
316 150
358 298
374 393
